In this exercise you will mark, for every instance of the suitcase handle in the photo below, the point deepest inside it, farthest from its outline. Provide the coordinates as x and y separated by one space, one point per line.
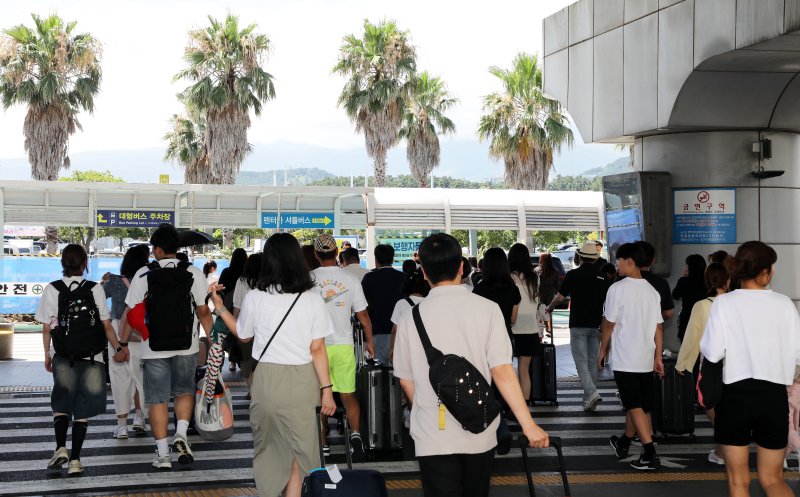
345 424
558 445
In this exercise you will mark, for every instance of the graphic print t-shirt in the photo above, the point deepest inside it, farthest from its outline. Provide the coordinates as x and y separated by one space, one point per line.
342 294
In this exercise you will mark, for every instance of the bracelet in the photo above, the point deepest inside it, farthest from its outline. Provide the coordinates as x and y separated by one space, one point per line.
326 386
123 344
222 311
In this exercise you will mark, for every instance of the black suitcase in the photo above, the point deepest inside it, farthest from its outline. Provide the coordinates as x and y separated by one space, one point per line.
673 408
364 482
556 443
381 410
543 375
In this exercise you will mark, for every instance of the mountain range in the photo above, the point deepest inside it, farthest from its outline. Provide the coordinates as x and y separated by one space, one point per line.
466 159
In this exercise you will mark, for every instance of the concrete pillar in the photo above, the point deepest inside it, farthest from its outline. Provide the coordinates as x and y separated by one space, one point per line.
473 243
371 243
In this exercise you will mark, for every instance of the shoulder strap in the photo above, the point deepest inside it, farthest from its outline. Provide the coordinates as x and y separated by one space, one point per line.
60 286
410 302
431 352
279 326
184 265
88 284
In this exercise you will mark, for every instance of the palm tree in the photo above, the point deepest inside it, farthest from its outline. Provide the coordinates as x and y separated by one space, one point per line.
525 127
225 65
56 73
424 120
186 147
380 68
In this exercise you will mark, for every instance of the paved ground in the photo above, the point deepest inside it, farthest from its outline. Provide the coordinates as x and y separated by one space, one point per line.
224 468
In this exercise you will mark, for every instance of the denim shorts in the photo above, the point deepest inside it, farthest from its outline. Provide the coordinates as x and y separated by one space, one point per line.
79 388
170 377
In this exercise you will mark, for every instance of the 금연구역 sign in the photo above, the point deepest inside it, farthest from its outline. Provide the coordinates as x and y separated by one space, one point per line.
21 288
133 218
297 220
704 216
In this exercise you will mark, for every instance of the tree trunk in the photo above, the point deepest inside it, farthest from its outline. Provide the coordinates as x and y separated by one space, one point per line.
227 238
51 235
379 165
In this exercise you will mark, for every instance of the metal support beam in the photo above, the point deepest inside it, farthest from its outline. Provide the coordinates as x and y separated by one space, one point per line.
337 214
473 243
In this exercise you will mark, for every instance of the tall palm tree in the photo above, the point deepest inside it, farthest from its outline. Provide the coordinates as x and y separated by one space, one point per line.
380 68
56 73
525 127
423 121
225 64
186 147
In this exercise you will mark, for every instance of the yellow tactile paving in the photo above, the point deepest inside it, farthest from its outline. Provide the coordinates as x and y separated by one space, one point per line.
215 492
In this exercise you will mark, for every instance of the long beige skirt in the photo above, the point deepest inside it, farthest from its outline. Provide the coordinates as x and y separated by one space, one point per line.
283 418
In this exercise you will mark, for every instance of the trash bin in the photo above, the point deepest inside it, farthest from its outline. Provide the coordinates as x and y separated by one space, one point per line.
6 340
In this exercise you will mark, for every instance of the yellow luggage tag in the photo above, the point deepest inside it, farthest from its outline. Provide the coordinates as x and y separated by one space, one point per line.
441 416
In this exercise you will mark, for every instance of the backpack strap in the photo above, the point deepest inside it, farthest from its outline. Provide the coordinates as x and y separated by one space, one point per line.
431 352
410 302
60 286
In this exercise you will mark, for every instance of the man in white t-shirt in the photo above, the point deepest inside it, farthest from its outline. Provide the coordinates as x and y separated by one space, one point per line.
169 373
343 296
633 325
351 262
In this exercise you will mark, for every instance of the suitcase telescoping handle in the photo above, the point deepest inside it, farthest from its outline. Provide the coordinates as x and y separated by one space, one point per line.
557 444
346 437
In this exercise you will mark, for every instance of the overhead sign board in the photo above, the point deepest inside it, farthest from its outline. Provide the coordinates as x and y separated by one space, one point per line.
704 216
133 218
297 220
404 248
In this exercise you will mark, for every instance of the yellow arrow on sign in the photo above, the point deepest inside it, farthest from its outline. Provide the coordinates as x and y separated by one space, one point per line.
101 220
324 220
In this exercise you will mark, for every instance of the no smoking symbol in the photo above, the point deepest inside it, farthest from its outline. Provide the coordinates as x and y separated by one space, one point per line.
703 196
37 289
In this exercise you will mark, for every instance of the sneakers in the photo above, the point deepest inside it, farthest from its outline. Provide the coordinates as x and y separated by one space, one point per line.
60 456
619 450
646 463
164 462
138 426
356 447
591 405
182 447
121 432
75 468
714 459
326 450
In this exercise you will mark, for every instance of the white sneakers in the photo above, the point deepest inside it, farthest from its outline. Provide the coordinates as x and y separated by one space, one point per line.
182 447
75 468
121 432
714 459
591 404
60 456
164 462
138 426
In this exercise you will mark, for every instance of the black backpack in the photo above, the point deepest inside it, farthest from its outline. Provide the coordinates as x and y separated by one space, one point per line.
169 307
459 385
80 334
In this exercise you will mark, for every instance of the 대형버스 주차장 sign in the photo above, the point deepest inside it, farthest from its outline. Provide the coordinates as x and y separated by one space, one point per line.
133 218
704 216
297 220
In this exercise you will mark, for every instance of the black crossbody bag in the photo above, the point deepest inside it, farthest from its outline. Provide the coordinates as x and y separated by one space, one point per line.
276 331
458 384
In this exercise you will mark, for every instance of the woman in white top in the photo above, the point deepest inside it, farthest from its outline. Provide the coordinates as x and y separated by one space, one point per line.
757 333
717 279
248 281
292 370
415 289
530 316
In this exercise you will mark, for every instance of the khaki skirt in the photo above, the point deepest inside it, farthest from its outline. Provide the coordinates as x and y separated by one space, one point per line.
283 418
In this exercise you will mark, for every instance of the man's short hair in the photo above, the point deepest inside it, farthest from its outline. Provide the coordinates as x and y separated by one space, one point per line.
350 256
440 255
632 251
384 254
166 238
649 252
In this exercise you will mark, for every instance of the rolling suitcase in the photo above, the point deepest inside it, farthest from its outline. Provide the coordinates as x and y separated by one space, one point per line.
543 374
673 409
556 443
364 482
379 397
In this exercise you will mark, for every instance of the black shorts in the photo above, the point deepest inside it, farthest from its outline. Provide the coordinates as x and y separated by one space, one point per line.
527 345
753 411
636 390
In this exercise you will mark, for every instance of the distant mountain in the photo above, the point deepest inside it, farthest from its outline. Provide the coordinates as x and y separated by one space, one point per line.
620 165
465 159
296 177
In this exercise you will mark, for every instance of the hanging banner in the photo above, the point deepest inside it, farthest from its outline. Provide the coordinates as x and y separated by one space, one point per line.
704 216
404 248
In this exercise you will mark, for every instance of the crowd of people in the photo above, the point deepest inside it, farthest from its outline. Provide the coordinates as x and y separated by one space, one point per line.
289 312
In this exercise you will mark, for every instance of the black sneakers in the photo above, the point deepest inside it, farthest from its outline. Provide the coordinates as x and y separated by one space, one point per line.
356 447
620 450
646 463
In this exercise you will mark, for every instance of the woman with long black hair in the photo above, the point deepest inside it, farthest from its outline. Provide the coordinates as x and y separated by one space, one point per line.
757 333
228 279
690 289
292 371
498 286
527 328
247 282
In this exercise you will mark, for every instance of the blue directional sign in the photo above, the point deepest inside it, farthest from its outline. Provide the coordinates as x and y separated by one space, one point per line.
297 220
133 218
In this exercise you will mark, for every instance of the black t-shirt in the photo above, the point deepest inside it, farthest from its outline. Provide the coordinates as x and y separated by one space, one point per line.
689 292
382 288
587 292
662 287
506 297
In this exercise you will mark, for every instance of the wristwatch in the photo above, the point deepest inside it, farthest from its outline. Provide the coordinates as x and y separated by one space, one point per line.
119 348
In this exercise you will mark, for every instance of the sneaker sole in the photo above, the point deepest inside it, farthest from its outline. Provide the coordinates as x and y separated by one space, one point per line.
58 463
184 457
644 468
74 474
138 429
163 468
120 437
